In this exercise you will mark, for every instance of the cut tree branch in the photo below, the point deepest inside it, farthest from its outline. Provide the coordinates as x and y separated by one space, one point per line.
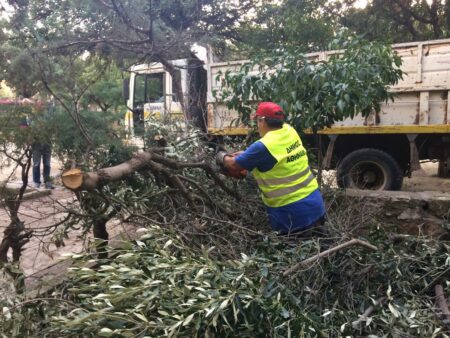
442 303
77 180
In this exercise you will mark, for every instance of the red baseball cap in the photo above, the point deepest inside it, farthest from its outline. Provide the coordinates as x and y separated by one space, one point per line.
270 110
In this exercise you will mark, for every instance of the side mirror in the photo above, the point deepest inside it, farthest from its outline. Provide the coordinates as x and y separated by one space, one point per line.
126 89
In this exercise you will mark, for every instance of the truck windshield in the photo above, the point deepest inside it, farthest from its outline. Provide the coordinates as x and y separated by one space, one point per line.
149 88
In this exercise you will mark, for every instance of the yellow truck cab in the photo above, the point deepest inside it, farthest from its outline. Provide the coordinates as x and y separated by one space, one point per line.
151 91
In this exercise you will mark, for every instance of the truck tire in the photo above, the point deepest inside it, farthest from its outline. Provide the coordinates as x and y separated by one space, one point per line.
370 169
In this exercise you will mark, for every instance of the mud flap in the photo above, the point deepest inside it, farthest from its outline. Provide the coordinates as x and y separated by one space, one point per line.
413 153
327 160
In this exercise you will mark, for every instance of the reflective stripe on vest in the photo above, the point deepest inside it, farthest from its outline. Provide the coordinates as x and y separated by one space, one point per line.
288 190
290 179
275 181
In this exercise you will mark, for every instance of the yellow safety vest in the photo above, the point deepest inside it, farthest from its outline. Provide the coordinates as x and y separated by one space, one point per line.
290 179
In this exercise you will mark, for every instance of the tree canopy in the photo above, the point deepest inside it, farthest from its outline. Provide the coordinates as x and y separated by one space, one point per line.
130 32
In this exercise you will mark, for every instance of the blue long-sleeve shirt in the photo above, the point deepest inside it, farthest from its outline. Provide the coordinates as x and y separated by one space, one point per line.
288 218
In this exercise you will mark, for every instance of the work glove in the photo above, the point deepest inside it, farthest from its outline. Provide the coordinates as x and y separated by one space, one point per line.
220 157
236 173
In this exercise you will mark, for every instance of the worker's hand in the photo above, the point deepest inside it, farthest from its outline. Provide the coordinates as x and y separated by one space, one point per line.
237 153
236 173
227 170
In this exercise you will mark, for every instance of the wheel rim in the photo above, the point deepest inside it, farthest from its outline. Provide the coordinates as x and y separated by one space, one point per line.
368 175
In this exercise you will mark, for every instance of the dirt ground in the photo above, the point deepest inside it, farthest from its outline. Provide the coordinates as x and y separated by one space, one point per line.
37 214
424 179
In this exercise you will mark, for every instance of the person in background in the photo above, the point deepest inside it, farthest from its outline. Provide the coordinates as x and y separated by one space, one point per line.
41 150
279 163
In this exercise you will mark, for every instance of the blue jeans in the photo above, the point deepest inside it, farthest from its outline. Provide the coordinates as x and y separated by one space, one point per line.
44 151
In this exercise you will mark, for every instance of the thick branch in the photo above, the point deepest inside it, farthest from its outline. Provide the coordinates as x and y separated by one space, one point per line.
201 165
407 10
447 17
442 302
75 179
433 10
328 252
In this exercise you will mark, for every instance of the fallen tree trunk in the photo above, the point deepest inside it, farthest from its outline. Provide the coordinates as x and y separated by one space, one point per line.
328 252
77 180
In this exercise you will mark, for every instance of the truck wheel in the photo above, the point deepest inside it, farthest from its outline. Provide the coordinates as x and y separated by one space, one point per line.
370 169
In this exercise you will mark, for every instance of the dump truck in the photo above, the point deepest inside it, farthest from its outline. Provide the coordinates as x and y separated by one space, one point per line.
373 152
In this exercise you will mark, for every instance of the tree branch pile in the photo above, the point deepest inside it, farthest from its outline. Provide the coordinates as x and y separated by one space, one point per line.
159 285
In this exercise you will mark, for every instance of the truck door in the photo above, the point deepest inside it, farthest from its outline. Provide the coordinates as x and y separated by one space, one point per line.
174 110
148 98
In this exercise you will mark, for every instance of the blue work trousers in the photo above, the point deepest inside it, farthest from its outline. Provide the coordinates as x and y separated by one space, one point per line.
41 151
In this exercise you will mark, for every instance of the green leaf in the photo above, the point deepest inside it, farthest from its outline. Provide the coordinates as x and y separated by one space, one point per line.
341 105
188 319
141 317
105 332
394 310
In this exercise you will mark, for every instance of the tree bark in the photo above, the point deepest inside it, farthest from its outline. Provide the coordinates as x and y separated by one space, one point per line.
15 235
75 179
442 302
102 236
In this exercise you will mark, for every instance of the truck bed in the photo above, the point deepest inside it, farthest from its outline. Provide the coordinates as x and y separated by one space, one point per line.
420 105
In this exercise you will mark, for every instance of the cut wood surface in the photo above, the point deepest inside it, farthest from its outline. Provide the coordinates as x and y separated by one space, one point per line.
72 178
76 179
328 252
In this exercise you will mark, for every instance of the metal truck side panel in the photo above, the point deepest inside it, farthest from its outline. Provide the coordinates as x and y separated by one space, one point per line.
420 105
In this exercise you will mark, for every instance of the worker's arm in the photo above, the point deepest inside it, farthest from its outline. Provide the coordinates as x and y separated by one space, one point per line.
256 156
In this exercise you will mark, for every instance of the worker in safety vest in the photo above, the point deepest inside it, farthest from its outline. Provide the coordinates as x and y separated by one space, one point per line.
279 163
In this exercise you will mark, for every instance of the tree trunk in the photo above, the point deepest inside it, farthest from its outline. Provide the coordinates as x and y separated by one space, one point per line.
102 237
15 236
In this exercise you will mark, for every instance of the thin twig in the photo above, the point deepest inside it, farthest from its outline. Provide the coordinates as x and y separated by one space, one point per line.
35 300
363 317
328 252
